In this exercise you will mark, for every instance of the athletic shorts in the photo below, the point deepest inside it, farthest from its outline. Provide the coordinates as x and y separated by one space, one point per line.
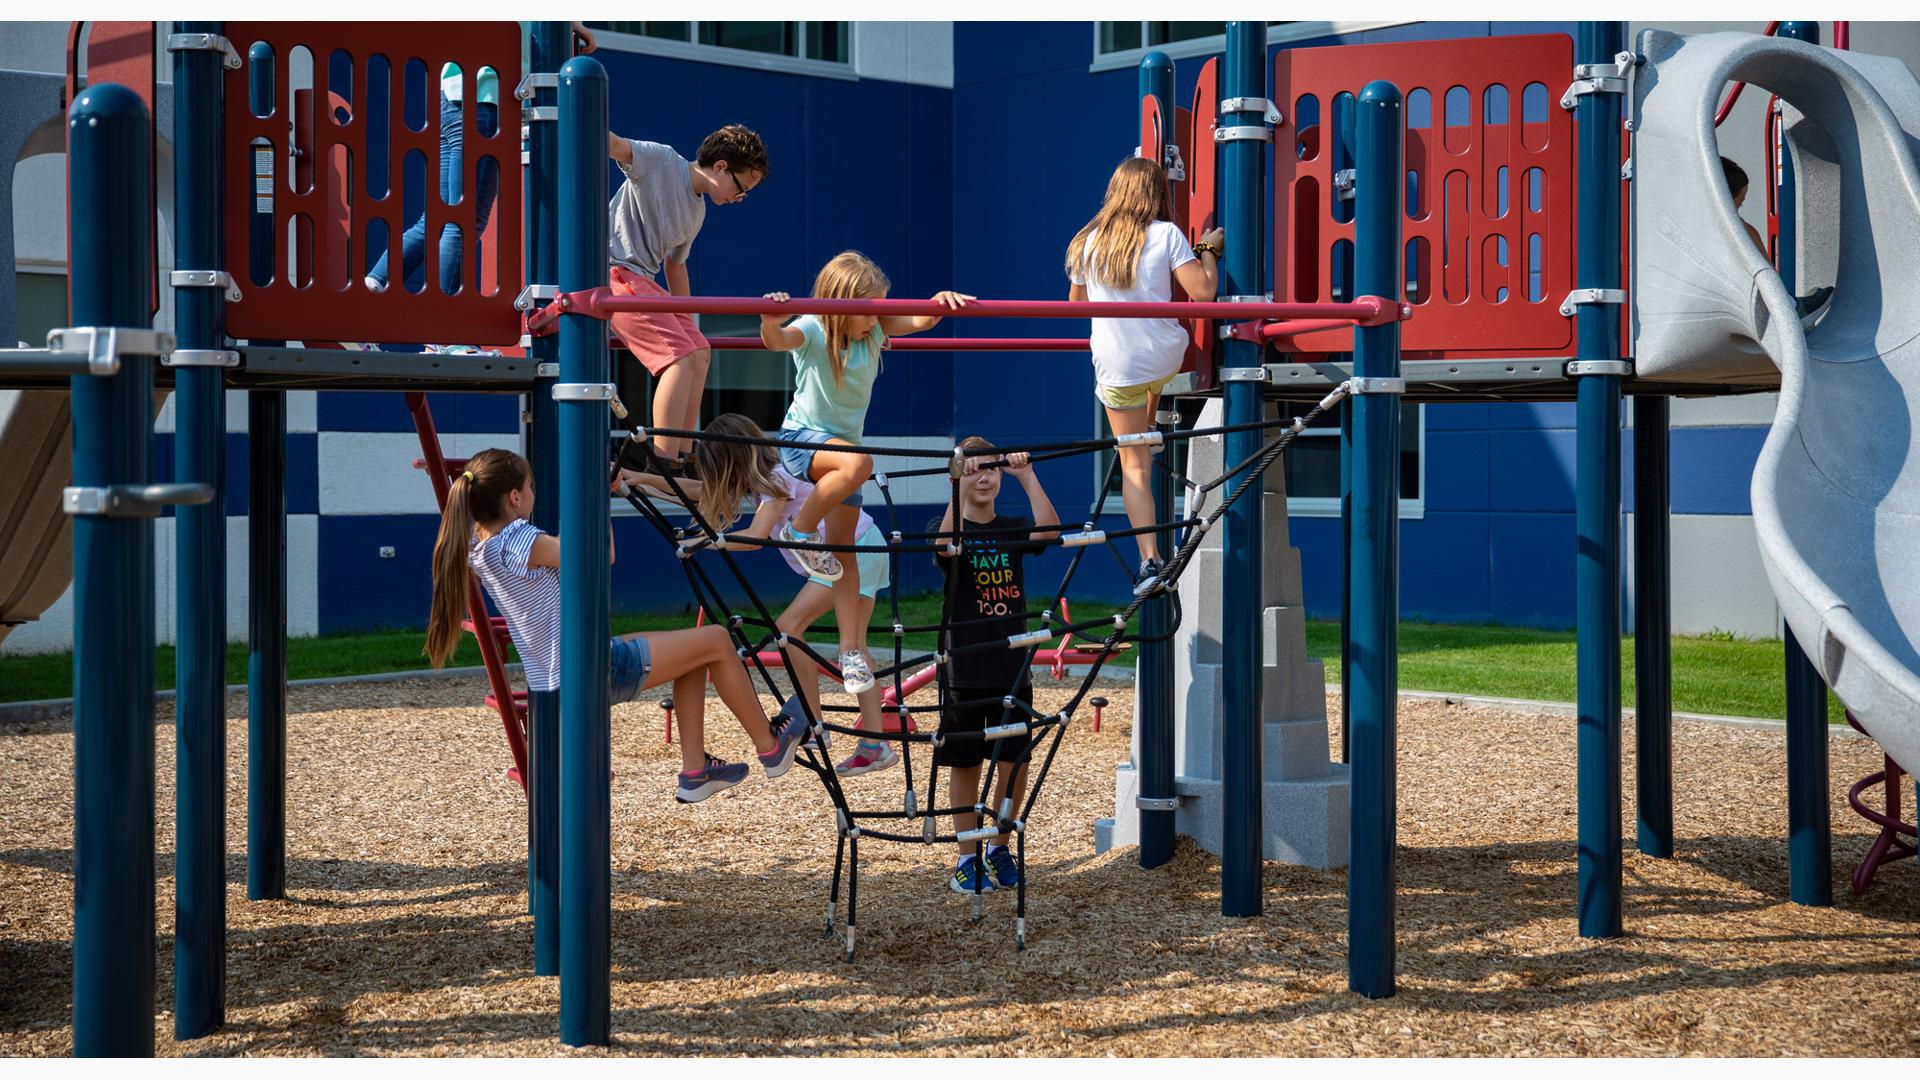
876 567
1125 398
656 338
627 670
798 460
969 753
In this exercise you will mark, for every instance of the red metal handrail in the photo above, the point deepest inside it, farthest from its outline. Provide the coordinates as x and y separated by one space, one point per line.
1365 310
915 344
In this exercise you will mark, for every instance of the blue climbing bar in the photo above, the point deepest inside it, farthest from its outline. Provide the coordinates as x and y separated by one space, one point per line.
550 45
1243 214
200 439
1809 824
1598 369
1153 703
108 180
1372 627
1652 626
586 854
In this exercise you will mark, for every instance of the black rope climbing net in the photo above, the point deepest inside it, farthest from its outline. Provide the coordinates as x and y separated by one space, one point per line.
697 543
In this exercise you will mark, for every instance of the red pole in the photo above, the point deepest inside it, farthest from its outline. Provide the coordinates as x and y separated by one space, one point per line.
1301 326
917 344
1842 34
1366 310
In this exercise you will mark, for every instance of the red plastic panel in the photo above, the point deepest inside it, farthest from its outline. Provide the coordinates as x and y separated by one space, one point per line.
324 199
1197 147
1489 242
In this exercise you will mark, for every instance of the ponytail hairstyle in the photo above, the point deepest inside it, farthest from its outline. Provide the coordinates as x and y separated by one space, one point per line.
478 494
1107 249
730 471
847 276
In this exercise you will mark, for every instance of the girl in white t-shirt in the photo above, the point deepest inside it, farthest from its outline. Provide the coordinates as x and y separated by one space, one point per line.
1132 251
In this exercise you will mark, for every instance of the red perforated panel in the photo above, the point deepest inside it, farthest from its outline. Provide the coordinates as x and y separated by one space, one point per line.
1201 154
1489 240
320 186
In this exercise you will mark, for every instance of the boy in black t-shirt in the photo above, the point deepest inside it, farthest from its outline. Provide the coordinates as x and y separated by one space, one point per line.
992 584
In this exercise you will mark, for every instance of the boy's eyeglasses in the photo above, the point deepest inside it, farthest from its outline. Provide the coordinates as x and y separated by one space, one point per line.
741 192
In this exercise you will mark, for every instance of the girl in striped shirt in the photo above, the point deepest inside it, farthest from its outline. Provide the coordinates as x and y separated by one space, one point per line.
485 530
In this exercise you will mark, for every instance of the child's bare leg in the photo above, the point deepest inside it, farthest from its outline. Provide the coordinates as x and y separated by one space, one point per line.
690 716
836 474
850 609
811 602
963 788
1136 467
708 651
1009 776
676 400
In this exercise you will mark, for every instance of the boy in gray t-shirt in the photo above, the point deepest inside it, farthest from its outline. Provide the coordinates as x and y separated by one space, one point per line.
652 221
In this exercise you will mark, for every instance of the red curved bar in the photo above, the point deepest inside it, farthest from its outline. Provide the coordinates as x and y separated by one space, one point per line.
1365 310
916 344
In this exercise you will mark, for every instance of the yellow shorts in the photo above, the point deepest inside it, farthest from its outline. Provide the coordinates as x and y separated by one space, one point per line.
1125 398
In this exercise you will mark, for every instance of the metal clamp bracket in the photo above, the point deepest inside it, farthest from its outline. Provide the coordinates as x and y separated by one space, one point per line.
1375 384
1141 802
536 80
1245 374
132 500
103 346
1591 296
583 391
1263 298
548 370
1576 368
206 279
1343 182
530 296
1176 165
532 113
219 358
1251 104
1614 78
1243 133
205 43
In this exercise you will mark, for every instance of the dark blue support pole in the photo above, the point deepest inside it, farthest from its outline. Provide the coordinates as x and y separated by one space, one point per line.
1243 214
1809 828
1346 581
1153 704
200 439
1597 494
266 589
586 852
551 45
1653 626
1374 557
108 178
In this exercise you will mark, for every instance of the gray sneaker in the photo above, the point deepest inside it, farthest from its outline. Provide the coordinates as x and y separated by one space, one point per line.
789 731
820 564
715 776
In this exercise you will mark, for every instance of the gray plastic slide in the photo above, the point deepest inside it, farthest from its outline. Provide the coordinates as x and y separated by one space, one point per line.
36 539
1836 492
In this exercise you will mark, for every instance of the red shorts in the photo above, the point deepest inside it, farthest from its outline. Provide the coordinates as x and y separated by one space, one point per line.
656 338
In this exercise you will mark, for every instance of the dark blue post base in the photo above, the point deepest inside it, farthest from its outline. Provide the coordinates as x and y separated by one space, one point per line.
1653 627
266 645
1809 825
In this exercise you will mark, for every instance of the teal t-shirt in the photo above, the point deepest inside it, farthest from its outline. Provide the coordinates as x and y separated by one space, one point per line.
819 402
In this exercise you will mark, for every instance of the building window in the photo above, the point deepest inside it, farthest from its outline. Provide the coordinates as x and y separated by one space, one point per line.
1122 44
1312 462
816 48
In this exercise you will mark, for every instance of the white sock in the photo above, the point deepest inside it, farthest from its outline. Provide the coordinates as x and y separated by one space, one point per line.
993 847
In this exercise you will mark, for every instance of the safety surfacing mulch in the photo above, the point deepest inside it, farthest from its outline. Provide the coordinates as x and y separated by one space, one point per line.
405 927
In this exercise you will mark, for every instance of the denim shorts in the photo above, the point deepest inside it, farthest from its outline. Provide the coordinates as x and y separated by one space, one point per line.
799 461
876 567
631 660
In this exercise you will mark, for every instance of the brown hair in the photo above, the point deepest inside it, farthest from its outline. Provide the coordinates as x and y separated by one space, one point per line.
735 144
477 495
1736 177
847 276
1136 198
730 471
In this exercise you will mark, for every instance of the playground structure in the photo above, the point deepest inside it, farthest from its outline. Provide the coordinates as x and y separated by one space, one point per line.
1856 623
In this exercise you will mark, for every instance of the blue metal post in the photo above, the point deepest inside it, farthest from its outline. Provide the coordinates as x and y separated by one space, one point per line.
551 44
586 852
1597 494
200 439
1653 626
1243 214
108 178
1153 705
1374 558
1346 582
1809 828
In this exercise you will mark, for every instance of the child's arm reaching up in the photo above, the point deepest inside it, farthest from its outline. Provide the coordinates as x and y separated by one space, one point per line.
775 336
761 527
1046 520
896 325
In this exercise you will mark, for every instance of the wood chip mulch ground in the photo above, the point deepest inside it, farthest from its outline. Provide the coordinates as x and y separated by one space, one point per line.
405 930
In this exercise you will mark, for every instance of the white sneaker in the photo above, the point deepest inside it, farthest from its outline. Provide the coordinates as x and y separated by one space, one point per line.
855 675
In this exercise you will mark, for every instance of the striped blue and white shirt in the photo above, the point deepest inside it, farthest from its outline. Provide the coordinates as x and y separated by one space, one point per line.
528 597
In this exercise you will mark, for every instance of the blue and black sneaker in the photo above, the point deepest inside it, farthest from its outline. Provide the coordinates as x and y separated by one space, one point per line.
1006 870
968 877
789 728
715 775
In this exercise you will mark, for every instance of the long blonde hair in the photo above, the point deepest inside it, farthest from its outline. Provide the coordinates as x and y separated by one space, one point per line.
478 494
1136 198
847 276
730 471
